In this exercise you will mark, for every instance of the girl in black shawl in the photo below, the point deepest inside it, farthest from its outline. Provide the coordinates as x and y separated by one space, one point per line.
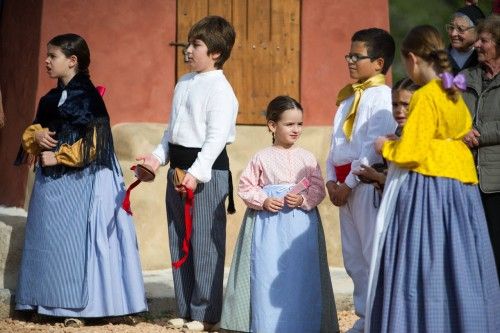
80 257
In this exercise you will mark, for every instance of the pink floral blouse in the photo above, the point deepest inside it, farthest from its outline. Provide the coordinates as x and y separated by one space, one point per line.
276 165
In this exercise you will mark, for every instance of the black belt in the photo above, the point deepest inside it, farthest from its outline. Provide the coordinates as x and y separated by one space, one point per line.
183 157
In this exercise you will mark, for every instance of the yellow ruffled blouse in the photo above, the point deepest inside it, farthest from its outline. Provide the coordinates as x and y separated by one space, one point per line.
69 155
431 142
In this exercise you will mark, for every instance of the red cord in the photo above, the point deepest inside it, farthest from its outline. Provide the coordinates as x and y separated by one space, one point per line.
188 223
126 200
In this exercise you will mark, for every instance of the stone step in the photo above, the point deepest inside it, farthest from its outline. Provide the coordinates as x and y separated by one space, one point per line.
161 299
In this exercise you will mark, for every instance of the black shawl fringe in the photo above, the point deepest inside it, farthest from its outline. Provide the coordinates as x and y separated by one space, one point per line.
82 114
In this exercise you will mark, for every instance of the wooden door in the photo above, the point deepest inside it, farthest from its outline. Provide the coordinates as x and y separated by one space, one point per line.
265 61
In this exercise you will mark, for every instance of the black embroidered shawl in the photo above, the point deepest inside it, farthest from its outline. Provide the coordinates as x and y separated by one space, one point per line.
77 118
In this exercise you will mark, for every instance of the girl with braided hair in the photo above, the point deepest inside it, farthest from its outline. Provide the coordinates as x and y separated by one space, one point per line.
433 268
80 257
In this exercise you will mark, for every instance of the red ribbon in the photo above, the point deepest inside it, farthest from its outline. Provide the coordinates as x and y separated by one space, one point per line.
188 224
342 171
126 200
101 90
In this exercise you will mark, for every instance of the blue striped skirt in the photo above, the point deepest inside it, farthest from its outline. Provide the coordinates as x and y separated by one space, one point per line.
437 271
80 257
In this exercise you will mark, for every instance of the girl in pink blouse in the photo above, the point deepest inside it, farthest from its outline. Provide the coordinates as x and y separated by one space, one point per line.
279 279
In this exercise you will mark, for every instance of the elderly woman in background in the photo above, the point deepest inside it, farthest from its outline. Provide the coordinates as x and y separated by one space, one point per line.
483 99
462 33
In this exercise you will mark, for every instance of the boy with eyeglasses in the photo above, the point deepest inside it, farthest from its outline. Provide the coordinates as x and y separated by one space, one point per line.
364 113
462 34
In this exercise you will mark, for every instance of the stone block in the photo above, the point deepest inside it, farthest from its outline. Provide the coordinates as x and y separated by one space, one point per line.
148 199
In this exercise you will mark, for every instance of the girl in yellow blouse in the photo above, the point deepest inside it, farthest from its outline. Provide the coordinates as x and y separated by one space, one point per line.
433 267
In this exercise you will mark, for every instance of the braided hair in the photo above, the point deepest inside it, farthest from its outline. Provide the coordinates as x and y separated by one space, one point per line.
424 41
73 44
405 84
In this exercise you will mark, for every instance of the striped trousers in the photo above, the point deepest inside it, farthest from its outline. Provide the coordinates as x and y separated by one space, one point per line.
198 282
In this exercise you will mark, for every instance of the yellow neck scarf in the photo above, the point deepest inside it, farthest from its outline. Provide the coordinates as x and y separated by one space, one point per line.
356 89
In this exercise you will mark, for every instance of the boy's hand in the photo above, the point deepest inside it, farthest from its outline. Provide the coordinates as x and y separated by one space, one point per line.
341 195
189 182
48 158
367 174
45 139
331 187
273 205
294 200
150 160
338 193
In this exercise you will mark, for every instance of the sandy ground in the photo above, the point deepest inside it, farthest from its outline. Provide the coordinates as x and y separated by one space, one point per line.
146 325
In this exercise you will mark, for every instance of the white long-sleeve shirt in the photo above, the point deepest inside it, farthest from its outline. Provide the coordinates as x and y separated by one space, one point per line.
373 119
204 110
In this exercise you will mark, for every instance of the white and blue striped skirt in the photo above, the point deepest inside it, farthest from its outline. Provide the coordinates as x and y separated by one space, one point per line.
80 256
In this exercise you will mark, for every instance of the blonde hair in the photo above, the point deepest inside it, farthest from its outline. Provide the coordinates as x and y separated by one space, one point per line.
425 42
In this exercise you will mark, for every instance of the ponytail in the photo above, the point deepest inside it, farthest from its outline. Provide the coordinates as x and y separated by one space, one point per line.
442 65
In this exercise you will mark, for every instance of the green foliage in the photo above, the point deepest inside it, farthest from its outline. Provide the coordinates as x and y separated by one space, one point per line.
405 14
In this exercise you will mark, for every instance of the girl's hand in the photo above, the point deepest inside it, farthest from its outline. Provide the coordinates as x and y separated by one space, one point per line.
273 205
379 143
150 160
45 139
294 200
48 158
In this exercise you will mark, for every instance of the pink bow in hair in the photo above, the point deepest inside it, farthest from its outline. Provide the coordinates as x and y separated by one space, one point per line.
448 81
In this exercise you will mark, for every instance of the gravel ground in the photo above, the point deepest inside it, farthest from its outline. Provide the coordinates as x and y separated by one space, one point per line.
146 325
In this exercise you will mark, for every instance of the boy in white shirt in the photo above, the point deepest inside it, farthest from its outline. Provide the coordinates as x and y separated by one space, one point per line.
364 113
203 119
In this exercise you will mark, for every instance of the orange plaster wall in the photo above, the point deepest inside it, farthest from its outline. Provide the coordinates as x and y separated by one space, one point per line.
327 27
130 55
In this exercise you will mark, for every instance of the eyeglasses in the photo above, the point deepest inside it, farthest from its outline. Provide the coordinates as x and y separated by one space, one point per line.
355 57
460 30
